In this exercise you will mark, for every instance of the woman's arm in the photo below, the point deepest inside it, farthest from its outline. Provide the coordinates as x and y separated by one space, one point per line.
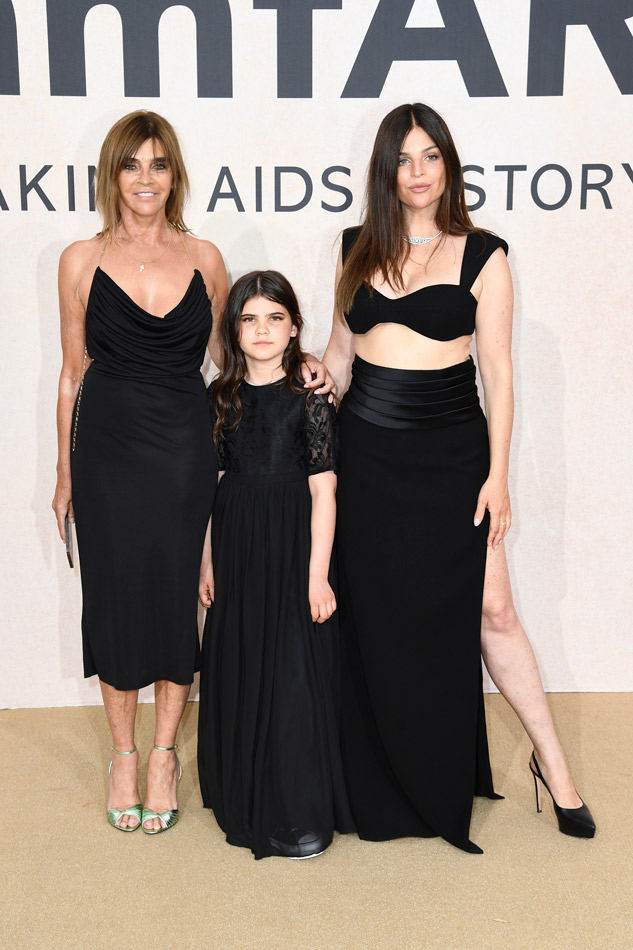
211 265
339 352
494 344
321 595
323 383
206 582
206 591
72 264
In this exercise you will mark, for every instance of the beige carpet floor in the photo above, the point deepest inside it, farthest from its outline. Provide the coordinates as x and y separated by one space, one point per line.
69 880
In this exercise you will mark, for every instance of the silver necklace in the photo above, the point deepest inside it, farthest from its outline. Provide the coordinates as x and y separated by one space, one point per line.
154 259
420 240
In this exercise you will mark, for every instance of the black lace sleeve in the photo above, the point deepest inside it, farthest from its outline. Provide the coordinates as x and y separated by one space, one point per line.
220 445
321 433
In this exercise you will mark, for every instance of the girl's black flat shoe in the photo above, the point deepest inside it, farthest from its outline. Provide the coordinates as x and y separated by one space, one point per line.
571 821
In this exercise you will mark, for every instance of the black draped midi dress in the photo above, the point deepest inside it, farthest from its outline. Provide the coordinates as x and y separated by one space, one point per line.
414 455
143 475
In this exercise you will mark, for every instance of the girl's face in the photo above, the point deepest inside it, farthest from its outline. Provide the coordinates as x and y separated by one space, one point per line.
265 331
421 178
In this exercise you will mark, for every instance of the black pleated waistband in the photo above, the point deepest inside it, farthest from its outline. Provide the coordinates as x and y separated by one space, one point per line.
413 398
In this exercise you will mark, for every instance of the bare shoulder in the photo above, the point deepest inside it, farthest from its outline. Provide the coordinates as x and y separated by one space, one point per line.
78 256
496 269
77 265
207 259
495 279
205 255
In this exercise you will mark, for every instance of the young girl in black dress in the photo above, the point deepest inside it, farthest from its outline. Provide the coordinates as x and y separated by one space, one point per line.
268 749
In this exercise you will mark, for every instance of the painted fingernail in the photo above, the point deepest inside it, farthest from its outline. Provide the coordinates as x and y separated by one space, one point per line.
477 522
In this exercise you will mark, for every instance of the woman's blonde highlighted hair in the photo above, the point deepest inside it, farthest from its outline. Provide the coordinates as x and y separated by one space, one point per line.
120 145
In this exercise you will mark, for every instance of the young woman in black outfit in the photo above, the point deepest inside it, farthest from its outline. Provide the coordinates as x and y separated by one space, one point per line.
423 500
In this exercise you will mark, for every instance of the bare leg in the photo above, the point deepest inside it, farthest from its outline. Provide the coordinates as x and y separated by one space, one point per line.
162 768
120 707
510 660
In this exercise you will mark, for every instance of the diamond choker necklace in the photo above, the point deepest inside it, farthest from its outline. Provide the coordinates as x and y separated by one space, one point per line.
420 240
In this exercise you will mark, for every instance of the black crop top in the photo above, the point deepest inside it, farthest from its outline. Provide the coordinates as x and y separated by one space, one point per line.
440 311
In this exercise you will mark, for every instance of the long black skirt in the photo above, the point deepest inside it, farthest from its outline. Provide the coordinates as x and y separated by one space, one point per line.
268 737
414 455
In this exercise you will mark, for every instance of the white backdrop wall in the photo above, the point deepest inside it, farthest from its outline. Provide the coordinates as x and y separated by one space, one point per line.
517 86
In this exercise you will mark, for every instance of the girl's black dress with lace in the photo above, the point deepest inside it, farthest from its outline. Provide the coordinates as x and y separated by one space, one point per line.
268 746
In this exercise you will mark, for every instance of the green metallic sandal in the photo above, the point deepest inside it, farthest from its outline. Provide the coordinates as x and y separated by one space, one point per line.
135 811
167 818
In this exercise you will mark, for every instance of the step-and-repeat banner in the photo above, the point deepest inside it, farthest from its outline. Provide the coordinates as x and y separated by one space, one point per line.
277 103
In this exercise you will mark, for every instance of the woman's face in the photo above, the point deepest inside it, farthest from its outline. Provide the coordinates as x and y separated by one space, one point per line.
145 180
421 178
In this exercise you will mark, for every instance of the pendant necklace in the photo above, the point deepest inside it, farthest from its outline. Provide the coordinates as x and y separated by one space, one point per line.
154 259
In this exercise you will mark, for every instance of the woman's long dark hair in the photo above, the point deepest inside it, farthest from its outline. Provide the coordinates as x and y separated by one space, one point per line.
259 283
379 247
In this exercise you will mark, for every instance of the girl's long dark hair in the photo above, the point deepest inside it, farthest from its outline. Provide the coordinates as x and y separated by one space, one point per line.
379 248
259 283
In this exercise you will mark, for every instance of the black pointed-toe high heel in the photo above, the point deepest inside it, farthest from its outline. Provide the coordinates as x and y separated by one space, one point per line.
571 821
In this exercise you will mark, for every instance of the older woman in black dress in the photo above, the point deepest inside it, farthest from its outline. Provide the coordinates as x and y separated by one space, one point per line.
139 303
423 500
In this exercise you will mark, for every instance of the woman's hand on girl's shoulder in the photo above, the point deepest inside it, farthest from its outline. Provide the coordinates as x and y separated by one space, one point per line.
317 376
322 599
